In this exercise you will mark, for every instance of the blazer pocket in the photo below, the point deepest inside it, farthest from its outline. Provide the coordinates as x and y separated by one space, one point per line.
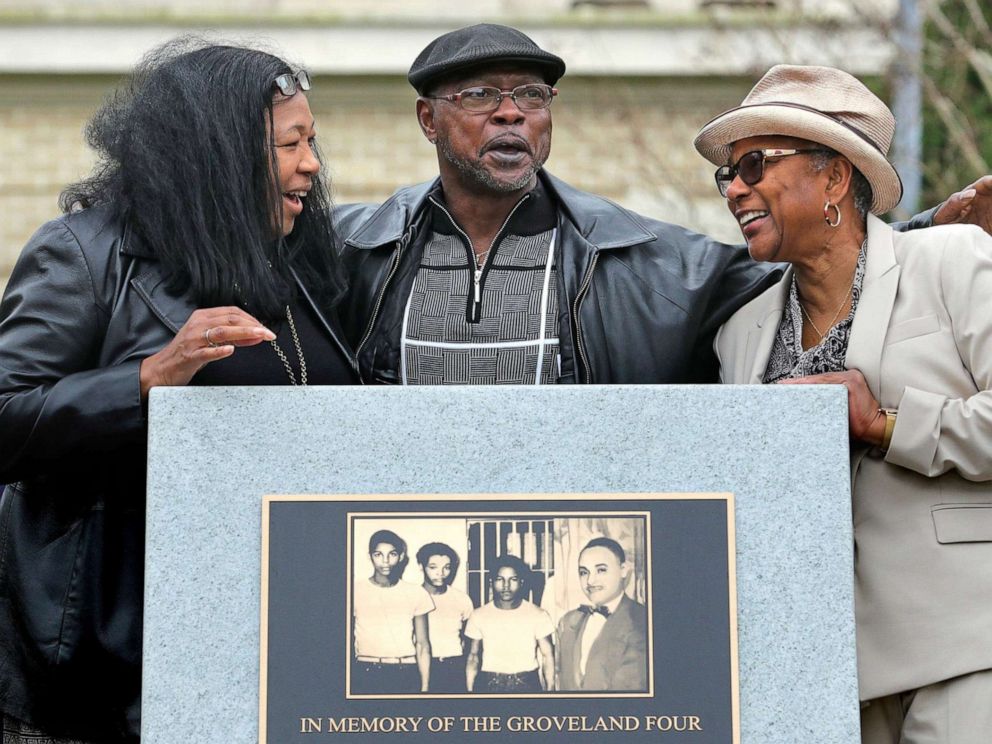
962 523
912 328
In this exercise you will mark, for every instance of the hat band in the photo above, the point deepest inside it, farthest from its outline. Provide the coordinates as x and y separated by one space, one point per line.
853 129
850 127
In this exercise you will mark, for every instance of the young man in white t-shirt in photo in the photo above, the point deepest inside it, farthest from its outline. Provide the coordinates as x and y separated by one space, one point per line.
508 635
392 652
452 608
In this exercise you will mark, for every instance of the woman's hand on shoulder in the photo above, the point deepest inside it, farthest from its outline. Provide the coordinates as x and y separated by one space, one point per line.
209 334
865 420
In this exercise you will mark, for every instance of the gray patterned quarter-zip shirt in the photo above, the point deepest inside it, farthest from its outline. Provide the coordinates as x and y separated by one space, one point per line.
491 325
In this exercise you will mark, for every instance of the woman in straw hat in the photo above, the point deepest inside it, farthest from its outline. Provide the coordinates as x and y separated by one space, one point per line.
898 319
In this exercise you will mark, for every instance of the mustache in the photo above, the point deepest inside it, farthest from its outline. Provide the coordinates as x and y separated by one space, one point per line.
513 140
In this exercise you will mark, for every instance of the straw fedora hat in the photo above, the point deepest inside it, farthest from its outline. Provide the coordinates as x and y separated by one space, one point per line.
820 104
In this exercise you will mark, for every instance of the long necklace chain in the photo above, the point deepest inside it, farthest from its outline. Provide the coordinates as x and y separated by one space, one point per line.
299 353
820 334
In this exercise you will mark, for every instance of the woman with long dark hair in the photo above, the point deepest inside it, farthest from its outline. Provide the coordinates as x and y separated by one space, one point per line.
196 253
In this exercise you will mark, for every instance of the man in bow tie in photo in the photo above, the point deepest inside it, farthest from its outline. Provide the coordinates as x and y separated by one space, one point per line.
603 645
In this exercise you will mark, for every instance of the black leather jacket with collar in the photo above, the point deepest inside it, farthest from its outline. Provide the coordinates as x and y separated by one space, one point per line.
641 299
84 305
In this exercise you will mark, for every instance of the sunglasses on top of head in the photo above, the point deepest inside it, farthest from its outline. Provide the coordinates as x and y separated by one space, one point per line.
288 83
751 166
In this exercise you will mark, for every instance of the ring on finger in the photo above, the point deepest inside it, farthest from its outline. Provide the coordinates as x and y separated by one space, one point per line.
206 337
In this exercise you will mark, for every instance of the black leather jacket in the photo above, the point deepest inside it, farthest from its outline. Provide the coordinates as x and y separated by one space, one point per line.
84 305
641 299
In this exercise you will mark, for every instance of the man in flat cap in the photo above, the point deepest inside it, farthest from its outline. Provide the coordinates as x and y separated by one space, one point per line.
499 273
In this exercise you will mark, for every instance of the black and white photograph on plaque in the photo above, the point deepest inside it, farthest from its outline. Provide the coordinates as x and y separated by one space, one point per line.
509 616
602 641
499 604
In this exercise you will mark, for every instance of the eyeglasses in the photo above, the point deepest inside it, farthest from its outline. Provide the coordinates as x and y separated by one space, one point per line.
288 83
751 167
482 100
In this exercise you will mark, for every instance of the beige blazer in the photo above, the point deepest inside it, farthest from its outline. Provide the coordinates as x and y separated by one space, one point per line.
922 337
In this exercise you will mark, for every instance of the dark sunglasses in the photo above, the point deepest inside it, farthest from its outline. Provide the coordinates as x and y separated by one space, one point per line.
482 100
751 166
288 83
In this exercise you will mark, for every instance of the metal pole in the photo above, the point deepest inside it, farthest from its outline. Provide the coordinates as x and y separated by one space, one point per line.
907 103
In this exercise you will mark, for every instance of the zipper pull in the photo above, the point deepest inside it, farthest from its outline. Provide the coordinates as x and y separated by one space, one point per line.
477 306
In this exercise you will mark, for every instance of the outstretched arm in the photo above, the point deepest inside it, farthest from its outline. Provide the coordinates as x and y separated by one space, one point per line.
547 662
422 643
971 205
472 664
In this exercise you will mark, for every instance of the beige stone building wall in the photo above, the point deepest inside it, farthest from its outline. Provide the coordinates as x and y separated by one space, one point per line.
469 10
628 139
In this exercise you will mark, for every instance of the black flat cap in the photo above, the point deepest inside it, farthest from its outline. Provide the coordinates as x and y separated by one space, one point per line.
474 45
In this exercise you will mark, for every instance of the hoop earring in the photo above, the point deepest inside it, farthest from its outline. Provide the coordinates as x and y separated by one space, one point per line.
826 213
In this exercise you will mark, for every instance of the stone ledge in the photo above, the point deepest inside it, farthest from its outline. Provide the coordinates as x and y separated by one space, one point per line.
362 49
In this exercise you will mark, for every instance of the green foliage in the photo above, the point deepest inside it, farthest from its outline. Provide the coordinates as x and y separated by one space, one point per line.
957 140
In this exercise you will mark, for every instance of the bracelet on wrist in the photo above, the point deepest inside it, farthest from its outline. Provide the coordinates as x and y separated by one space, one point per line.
890 425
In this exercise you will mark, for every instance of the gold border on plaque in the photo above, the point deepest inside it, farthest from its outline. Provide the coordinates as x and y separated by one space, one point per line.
470 497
